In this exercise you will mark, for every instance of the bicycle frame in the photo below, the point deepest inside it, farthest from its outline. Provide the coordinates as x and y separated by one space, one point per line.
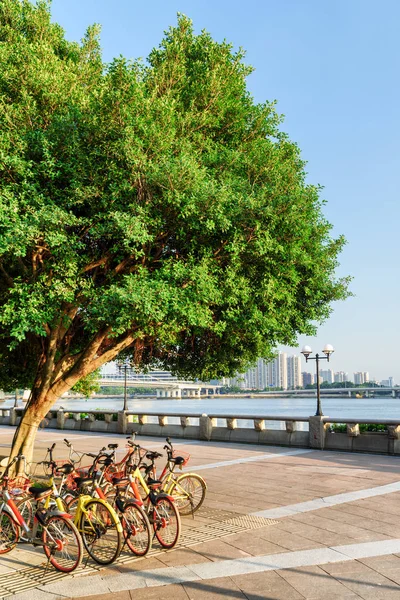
8 506
150 495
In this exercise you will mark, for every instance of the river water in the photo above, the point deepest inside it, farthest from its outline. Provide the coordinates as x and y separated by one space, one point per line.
368 408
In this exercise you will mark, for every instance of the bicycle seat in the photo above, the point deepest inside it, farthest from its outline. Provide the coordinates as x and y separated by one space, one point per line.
178 460
65 469
80 480
153 455
39 492
153 482
120 481
112 446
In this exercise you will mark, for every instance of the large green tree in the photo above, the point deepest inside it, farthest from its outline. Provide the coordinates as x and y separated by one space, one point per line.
146 210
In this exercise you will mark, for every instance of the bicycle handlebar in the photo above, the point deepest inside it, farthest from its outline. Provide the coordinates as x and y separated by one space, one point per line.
14 460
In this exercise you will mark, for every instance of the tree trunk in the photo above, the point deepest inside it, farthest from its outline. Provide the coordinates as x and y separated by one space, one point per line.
25 434
50 385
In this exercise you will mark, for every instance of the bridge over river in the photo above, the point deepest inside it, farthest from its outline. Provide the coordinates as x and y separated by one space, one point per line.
164 384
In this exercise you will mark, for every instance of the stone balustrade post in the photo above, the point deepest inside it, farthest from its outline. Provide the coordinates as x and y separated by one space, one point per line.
231 424
317 432
394 432
108 417
122 423
13 416
76 416
185 422
206 427
60 418
353 429
162 421
290 426
91 418
142 419
259 424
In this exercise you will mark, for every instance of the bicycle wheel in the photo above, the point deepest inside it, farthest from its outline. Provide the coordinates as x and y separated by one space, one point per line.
9 533
72 504
136 529
62 544
189 492
101 532
166 522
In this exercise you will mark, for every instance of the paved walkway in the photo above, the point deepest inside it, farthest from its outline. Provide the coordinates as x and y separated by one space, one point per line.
278 524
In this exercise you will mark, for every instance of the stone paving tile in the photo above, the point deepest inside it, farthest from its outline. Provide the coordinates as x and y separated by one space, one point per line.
381 563
289 540
343 568
184 556
353 509
269 585
25 557
213 589
351 531
390 506
369 584
116 596
313 533
313 582
170 592
143 564
349 519
217 550
253 543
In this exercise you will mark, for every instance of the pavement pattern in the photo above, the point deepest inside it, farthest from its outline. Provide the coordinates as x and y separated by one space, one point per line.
278 524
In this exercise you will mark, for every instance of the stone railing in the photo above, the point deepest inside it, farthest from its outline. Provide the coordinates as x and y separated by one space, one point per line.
353 440
305 432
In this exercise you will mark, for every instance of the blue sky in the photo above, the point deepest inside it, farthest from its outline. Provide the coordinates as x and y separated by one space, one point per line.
333 68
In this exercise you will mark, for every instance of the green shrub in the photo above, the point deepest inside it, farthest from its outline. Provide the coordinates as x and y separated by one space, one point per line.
364 427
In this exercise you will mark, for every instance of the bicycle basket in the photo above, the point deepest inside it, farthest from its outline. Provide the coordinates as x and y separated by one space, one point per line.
70 479
19 485
112 471
184 455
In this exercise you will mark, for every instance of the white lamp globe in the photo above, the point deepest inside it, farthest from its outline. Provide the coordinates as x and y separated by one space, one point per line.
306 351
328 349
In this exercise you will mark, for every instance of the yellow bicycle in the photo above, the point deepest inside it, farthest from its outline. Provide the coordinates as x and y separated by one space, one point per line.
95 519
160 507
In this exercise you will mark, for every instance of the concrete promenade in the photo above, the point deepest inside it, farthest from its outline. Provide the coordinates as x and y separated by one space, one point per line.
278 524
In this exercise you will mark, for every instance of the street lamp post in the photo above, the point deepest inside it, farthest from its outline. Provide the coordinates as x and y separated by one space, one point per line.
125 368
306 351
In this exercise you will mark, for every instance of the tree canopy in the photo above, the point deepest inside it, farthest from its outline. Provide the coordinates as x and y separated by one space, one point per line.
147 209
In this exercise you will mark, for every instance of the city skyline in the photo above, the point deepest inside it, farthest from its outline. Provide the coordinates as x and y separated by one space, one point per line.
286 372
332 67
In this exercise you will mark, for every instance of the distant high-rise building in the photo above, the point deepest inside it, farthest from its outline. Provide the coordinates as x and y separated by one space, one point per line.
294 379
308 378
340 377
261 374
250 379
327 375
361 377
276 372
387 382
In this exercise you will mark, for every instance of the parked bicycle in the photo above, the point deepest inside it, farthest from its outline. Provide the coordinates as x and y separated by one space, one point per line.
188 489
51 528
160 507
